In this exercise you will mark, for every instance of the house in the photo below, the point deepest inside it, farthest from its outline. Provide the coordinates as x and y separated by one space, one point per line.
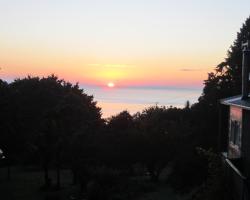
235 135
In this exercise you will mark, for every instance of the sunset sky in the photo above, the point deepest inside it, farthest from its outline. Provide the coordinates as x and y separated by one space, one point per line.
126 42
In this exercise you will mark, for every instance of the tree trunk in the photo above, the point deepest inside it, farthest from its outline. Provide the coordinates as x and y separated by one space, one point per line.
46 176
74 174
8 170
58 178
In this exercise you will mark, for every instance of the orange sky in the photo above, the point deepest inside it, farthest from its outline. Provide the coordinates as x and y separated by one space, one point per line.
169 70
166 43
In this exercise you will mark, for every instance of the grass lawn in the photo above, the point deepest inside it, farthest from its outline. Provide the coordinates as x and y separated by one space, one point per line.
25 184
162 193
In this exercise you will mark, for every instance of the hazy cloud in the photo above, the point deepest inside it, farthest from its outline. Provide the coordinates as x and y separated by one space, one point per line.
111 65
190 70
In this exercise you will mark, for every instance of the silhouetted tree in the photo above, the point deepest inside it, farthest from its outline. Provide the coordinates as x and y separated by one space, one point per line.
120 141
157 129
42 117
7 143
226 80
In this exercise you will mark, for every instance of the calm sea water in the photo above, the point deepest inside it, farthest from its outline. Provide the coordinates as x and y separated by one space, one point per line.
114 100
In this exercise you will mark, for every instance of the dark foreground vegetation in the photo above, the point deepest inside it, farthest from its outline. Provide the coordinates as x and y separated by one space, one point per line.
55 145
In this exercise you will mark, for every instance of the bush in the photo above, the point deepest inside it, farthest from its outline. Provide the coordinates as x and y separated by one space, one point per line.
214 187
106 183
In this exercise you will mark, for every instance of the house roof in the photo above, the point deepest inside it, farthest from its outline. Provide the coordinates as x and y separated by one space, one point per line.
237 101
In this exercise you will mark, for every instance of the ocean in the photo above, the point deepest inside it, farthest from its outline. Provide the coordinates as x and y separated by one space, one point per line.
114 100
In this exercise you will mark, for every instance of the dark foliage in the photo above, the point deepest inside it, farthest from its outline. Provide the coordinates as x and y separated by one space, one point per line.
39 118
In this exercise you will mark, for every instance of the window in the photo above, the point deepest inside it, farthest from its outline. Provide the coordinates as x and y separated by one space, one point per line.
234 150
235 133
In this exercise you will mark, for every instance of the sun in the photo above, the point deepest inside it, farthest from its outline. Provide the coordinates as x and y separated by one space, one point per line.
111 85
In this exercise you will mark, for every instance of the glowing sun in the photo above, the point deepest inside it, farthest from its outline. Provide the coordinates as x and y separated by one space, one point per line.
111 84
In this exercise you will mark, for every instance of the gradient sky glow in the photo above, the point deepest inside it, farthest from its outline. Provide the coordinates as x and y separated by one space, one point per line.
128 42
